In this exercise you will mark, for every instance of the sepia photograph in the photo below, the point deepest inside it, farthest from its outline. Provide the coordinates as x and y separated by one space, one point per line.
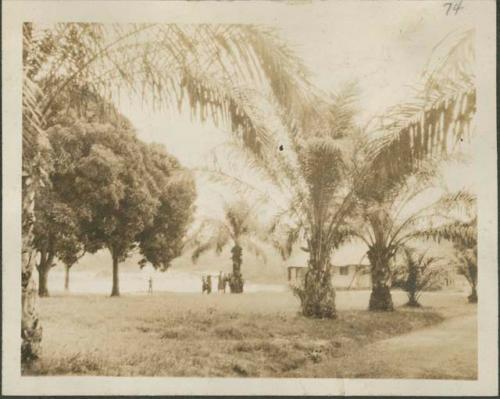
251 191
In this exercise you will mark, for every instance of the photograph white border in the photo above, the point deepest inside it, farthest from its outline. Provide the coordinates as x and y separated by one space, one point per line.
15 12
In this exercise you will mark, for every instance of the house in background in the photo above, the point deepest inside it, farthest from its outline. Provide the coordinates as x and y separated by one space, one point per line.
349 269
353 276
357 276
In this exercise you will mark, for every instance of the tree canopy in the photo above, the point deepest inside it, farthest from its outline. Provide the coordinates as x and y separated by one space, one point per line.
121 193
163 239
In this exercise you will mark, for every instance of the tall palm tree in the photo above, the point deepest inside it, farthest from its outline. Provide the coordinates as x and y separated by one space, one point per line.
310 192
433 125
240 229
440 116
34 140
388 218
198 67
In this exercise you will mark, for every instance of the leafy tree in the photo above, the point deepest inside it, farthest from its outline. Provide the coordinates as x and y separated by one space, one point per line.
418 274
57 226
56 235
240 229
163 64
110 205
107 184
163 239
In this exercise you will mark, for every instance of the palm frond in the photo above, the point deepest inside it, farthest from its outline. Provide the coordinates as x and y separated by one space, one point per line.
254 248
34 137
343 110
437 120
462 201
173 66
462 233
304 106
285 239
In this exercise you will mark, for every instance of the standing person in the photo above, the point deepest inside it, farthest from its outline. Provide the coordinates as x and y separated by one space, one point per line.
209 284
203 284
224 283
220 282
150 287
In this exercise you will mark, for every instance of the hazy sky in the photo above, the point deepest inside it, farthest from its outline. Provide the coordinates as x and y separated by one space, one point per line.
382 45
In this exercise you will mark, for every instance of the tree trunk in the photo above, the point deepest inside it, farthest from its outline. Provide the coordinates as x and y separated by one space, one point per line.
43 275
413 302
236 281
31 330
66 278
411 287
115 291
473 296
380 298
473 282
316 293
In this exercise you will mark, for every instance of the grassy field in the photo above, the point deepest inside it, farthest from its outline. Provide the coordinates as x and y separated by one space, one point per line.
256 335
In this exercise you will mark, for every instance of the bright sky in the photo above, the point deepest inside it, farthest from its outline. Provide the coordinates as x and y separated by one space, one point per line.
384 46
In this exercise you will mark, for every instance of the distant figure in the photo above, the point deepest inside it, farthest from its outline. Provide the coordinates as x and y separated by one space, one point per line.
209 284
221 285
150 287
224 283
227 281
204 285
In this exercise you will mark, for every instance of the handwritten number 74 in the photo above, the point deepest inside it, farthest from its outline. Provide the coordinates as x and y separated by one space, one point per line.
453 6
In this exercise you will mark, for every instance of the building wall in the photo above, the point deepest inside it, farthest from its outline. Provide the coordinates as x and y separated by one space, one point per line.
362 280
351 276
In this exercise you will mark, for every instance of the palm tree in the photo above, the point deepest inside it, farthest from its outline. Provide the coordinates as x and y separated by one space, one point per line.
433 125
468 268
390 217
418 273
34 140
238 228
199 67
440 117
462 232
310 192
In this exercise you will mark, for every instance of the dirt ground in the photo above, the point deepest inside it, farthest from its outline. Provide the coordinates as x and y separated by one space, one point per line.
445 351
256 335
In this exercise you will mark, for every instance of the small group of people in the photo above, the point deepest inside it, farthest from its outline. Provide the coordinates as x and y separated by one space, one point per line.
222 281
